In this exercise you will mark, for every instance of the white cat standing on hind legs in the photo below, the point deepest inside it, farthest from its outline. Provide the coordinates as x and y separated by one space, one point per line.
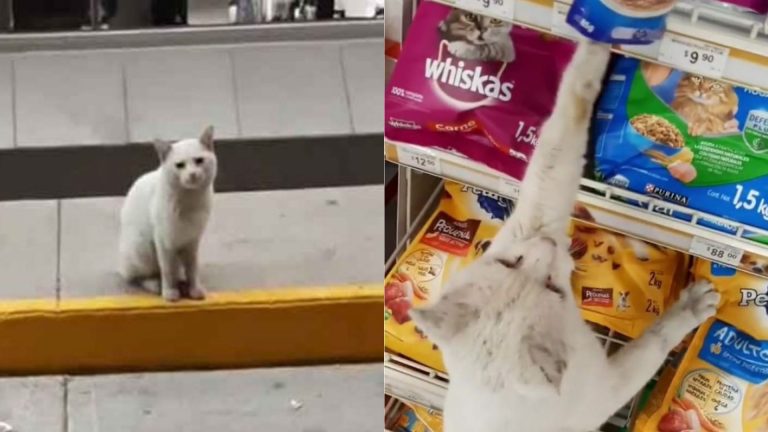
164 216
519 355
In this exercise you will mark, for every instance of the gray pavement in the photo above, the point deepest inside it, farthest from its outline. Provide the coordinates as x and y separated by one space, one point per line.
33 404
268 239
28 257
119 96
306 399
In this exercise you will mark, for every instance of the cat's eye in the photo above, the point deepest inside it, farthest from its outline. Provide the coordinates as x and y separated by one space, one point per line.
471 16
199 161
696 79
495 21
180 165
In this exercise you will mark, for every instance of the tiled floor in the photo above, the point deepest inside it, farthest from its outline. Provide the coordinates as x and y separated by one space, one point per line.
28 257
332 398
267 239
171 91
68 98
248 91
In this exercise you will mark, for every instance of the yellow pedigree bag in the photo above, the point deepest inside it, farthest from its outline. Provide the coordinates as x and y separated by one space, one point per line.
721 383
623 284
458 231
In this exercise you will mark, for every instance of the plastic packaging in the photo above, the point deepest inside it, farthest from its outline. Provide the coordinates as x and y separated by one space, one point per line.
465 83
629 22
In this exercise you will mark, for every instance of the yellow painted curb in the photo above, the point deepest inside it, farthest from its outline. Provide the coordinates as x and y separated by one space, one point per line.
228 330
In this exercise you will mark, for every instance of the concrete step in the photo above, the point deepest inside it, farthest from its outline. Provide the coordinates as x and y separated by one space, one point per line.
303 399
64 249
305 264
247 91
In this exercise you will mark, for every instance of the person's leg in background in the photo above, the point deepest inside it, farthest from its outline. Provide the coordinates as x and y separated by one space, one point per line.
107 11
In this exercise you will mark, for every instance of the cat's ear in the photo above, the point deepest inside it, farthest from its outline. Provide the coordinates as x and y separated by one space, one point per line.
206 139
444 319
162 148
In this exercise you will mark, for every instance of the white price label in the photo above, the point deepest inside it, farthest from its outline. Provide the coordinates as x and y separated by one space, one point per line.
418 158
503 9
509 188
559 26
716 251
693 55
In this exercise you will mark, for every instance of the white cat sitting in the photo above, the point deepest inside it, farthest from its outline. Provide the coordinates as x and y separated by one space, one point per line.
518 353
164 216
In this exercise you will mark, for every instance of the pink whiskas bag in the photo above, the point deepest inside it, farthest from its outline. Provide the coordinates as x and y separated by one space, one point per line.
475 86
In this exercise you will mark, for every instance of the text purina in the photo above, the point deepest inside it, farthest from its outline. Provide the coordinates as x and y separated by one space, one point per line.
468 79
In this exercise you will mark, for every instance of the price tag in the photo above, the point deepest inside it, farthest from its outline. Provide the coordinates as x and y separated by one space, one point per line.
503 9
693 55
716 251
509 188
559 26
418 158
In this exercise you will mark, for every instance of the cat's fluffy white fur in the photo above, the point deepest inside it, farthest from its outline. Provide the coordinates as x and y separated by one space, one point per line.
164 216
518 353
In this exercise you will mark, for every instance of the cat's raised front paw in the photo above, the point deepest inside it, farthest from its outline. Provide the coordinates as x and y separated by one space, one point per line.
700 299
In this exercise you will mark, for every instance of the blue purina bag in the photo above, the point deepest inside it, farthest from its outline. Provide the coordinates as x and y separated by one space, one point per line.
686 139
631 22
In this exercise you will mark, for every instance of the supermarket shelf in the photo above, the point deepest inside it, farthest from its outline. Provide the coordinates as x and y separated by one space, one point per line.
746 36
414 382
608 208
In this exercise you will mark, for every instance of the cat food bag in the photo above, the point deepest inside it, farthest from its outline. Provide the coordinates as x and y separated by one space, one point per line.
475 86
416 418
459 230
628 22
753 6
721 383
690 140
623 283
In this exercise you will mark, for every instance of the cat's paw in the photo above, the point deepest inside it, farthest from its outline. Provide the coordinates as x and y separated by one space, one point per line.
171 294
197 292
700 300
461 49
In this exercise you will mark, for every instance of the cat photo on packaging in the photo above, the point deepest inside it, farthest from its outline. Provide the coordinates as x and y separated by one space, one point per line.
164 216
476 37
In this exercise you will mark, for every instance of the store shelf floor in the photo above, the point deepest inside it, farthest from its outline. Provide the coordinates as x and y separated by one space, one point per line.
271 239
332 398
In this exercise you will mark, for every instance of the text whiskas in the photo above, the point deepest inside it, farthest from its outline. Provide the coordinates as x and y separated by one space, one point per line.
473 80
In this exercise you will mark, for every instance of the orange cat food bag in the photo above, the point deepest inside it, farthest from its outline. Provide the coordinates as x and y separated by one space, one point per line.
622 283
721 383
460 229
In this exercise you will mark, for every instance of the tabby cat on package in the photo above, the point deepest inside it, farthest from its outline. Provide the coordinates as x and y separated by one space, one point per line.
708 105
477 37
